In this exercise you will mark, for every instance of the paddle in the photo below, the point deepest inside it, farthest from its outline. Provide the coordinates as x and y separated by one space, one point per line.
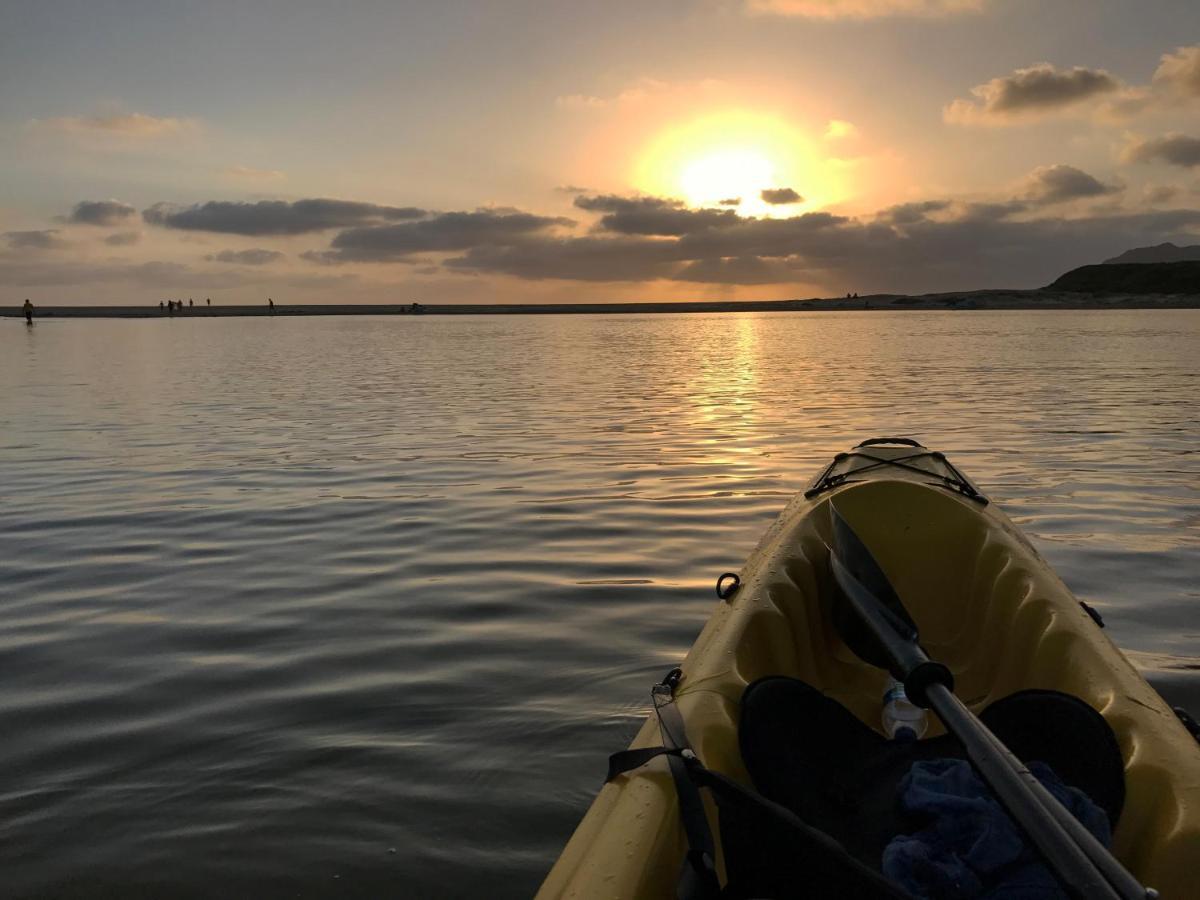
873 623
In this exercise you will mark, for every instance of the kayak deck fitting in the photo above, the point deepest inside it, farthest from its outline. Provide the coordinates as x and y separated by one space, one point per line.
988 606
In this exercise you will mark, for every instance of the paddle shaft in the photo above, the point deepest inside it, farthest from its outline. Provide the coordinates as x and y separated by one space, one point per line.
1083 866
1069 847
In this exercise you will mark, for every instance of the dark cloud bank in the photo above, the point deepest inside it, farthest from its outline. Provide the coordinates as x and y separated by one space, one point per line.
32 240
927 245
274 216
1035 89
101 212
445 232
254 257
1174 149
653 215
1058 184
1043 89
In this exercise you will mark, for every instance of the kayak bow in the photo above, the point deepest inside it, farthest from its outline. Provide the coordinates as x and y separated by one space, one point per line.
988 607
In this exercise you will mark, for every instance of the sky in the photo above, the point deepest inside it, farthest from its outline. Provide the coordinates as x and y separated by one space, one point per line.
547 152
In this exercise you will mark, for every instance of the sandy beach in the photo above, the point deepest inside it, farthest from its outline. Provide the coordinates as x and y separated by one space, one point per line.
964 300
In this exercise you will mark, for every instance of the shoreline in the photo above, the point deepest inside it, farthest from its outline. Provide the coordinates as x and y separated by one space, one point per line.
959 300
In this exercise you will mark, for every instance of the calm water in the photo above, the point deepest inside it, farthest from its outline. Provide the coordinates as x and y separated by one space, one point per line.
358 607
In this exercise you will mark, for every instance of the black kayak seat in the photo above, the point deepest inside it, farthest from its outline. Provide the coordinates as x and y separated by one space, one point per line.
812 756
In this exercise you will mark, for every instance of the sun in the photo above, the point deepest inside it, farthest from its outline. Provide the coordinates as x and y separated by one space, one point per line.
734 155
724 175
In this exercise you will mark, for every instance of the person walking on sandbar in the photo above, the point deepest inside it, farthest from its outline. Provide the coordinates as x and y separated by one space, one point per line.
271 305
27 308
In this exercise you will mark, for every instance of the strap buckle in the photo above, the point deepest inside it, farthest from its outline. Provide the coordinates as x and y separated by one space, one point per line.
671 681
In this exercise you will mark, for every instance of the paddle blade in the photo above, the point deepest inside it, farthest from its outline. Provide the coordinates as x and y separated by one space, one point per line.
868 590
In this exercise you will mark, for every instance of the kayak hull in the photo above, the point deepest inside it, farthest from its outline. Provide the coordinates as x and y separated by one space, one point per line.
987 605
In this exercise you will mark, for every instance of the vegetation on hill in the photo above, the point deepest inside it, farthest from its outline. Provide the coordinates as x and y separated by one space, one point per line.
1132 278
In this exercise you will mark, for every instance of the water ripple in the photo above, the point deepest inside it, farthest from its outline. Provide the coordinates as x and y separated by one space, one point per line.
281 597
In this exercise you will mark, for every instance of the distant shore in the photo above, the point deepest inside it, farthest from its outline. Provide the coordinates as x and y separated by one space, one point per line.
962 300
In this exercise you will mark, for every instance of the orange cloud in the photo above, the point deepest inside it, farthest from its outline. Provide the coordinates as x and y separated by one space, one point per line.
635 93
840 128
863 9
126 125
250 173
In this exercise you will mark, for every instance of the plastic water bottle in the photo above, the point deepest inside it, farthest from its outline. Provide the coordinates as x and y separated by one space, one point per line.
903 720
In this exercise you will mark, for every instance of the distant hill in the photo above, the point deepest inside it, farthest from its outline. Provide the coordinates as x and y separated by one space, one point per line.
1163 253
1133 278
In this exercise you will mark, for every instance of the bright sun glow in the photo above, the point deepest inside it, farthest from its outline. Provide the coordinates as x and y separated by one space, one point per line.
739 154
725 174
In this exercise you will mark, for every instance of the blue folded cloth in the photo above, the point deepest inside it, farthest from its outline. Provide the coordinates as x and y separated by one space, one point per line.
971 848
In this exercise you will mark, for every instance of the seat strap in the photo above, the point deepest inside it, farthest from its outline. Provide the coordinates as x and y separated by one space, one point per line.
627 760
698 875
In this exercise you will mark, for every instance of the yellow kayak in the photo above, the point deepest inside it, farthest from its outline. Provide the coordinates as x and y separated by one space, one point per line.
987 606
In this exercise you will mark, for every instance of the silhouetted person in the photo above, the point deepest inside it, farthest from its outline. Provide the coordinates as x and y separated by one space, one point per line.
271 305
189 302
160 306
208 301
27 307
170 307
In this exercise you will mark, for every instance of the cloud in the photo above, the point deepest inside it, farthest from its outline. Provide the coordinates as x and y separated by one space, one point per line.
445 232
863 9
570 189
908 213
640 90
780 196
840 128
736 270
924 245
730 201
1175 149
248 173
1179 72
101 212
1176 81
989 211
580 101
33 240
1047 185
1036 90
1043 90
123 238
623 257
274 216
138 126
254 257
653 215
1161 193
968 245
